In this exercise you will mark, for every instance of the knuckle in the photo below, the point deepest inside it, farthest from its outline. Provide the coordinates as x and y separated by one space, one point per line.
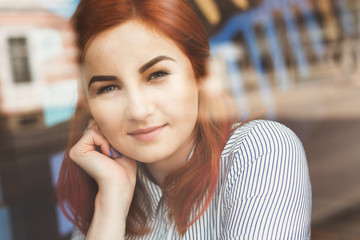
91 131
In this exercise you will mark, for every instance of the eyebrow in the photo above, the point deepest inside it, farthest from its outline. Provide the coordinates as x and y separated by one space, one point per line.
153 62
142 69
100 79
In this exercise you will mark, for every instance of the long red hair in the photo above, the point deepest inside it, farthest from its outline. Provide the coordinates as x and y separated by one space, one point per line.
191 187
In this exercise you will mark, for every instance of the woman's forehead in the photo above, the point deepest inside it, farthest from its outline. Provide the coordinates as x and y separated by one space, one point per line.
130 43
129 37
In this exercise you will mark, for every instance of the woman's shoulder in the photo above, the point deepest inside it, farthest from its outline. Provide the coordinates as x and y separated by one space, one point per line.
253 140
264 172
258 136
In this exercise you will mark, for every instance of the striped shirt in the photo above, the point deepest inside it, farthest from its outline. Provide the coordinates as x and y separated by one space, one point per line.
263 192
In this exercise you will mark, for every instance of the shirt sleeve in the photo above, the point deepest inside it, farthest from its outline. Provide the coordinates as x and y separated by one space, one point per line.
268 190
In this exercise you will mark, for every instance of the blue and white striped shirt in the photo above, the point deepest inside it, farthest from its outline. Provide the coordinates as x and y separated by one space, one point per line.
263 192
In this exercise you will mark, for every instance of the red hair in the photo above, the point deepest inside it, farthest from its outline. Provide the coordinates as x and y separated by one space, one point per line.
193 185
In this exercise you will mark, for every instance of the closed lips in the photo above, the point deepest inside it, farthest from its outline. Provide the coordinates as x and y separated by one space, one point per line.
145 130
147 134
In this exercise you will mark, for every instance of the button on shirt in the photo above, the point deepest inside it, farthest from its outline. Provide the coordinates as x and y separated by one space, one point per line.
263 191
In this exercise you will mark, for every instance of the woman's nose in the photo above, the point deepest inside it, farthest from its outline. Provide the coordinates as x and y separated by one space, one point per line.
139 105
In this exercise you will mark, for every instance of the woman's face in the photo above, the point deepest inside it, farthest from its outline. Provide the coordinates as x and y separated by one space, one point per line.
142 93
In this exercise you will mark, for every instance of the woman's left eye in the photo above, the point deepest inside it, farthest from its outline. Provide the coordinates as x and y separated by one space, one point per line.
107 89
157 74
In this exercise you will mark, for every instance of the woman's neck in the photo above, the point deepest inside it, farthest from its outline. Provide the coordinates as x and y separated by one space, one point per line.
161 169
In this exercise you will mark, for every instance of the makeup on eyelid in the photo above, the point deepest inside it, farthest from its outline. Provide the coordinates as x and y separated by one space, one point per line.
157 75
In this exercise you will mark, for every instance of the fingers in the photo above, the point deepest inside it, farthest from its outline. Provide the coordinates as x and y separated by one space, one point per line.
91 139
85 154
109 168
87 147
93 136
89 144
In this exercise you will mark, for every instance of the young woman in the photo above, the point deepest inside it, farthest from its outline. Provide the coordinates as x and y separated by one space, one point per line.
152 155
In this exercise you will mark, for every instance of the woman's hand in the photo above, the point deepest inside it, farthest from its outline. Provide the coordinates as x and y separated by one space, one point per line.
116 179
107 172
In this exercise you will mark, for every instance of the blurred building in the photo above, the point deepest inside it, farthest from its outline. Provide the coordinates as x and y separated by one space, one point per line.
37 61
37 51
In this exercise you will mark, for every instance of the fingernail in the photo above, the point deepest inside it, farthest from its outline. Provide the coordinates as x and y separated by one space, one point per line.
111 154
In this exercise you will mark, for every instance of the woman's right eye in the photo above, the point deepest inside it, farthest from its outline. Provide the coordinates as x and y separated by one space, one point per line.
107 89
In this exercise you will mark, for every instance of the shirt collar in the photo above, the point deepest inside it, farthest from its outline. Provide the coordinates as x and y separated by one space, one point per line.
153 190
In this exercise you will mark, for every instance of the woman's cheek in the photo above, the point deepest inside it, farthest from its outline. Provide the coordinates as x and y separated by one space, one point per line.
101 113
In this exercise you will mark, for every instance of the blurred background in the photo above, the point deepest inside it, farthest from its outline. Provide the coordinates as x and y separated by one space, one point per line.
296 61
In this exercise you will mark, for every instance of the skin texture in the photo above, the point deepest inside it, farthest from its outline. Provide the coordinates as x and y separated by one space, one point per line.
143 96
165 95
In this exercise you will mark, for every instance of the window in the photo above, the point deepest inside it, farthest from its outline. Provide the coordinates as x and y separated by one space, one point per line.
18 51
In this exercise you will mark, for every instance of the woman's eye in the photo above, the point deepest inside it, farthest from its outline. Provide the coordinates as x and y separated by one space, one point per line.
107 89
157 74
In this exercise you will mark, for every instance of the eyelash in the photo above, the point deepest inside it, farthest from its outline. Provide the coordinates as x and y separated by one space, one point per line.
157 74
107 89
154 75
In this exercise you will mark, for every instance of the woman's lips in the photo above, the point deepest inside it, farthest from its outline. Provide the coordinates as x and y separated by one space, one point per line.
147 134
